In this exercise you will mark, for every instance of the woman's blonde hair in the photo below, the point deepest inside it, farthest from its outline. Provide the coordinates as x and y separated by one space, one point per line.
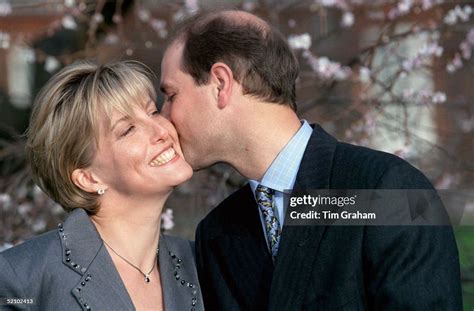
65 122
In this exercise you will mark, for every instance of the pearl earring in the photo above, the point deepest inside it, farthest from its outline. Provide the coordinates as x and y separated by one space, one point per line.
100 191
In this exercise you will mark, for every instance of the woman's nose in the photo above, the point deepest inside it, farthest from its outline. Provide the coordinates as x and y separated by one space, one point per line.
158 131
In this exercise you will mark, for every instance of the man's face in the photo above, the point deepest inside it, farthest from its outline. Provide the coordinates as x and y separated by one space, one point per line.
190 109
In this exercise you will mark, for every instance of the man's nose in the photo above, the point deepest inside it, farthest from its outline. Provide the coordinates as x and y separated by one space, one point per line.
165 111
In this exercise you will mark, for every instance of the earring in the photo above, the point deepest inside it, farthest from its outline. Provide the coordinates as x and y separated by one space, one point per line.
100 191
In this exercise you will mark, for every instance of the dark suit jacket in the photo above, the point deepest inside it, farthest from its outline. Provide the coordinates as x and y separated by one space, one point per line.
329 267
70 269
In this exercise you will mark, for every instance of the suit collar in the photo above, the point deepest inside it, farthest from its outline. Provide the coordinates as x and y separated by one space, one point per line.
179 283
83 251
299 244
249 262
316 165
247 259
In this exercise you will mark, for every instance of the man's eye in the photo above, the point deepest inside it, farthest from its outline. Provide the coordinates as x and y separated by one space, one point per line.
155 113
171 97
127 131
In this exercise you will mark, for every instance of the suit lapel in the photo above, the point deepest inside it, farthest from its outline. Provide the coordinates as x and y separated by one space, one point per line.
100 286
179 284
299 244
247 259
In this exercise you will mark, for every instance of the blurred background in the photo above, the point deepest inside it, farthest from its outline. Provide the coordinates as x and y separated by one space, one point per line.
391 75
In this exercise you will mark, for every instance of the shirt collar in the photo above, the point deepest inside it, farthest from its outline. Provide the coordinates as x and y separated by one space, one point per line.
281 175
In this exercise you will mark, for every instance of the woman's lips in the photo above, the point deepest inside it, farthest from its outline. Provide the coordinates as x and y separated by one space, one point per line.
164 157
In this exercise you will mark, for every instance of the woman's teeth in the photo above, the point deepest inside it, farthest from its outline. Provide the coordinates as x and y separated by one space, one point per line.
164 157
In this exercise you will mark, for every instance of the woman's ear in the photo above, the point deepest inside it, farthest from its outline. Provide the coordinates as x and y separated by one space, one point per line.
85 180
222 79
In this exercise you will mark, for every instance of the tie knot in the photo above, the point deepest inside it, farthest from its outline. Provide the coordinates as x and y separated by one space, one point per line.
265 190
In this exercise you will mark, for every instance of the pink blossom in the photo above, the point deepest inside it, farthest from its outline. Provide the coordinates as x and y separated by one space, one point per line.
4 40
347 19
404 6
467 125
465 50
427 4
438 98
249 6
158 24
326 69
403 152
69 3
462 14
191 6
5 8
302 41
144 15
97 18
68 22
364 74
111 39
167 222
51 64
446 181
5 200
470 37
117 18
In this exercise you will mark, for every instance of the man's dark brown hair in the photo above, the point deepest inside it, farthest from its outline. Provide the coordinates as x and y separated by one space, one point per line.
258 55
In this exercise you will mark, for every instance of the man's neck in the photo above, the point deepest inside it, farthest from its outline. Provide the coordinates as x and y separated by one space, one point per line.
260 138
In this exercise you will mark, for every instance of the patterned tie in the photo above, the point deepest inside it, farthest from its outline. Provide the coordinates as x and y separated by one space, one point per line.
264 196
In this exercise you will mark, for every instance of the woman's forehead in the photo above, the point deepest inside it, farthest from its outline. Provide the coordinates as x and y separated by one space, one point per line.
111 113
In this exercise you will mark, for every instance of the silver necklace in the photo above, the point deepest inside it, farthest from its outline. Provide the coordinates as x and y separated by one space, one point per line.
145 275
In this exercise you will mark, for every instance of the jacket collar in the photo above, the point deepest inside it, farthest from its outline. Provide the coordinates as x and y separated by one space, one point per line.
100 286
83 251
299 244
242 237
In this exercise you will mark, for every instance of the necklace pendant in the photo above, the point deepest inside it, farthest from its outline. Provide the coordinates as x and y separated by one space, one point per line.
147 278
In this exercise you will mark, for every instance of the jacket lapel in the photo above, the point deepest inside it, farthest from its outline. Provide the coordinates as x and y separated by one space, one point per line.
247 259
299 244
100 286
179 284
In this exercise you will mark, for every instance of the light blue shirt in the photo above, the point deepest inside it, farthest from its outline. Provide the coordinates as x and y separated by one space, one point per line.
281 175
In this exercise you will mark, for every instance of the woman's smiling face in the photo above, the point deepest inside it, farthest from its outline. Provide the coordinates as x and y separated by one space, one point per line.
139 155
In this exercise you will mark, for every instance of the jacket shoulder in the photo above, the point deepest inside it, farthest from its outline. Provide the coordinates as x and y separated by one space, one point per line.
22 267
178 244
356 167
41 247
226 213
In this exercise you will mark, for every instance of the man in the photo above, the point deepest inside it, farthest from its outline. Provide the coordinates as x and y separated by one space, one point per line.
229 81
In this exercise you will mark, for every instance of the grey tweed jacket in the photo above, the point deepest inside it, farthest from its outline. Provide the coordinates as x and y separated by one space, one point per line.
70 269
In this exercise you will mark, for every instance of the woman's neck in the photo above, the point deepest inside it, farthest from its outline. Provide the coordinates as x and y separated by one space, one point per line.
131 228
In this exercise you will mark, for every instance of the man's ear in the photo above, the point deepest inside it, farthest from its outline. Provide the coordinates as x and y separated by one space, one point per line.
222 79
85 179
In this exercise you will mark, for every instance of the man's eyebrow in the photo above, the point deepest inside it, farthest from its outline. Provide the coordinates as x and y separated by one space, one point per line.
164 87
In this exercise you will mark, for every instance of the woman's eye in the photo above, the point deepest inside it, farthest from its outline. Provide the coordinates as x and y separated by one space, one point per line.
155 113
127 131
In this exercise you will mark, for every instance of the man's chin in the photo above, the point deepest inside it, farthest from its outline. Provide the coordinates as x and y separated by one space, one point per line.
199 165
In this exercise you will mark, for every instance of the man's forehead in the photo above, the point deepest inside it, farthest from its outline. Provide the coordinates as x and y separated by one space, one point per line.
171 61
173 53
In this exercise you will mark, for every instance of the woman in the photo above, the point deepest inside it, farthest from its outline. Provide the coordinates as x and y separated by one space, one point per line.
98 146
